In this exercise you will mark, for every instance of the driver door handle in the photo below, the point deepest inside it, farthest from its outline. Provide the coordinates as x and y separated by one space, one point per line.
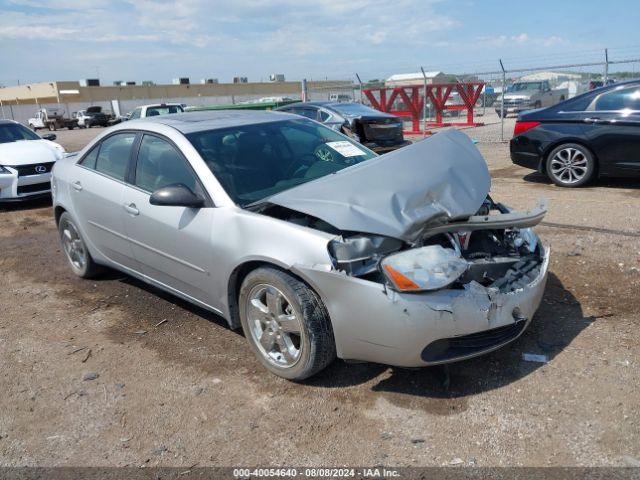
131 209
77 186
592 120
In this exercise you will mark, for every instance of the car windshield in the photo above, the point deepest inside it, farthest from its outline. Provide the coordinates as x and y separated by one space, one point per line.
164 110
253 162
521 87
14 132
353 109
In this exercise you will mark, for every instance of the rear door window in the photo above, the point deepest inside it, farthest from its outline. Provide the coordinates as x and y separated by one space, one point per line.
306 112
619 99
114 155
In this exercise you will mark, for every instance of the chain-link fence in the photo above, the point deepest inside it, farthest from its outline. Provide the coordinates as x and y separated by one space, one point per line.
513 85
511 89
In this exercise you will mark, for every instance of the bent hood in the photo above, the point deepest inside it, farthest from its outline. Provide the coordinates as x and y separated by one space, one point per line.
27 152
439 179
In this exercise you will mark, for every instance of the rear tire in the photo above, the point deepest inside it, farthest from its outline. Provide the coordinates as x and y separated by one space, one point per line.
570 165
75 249
286 324
52 127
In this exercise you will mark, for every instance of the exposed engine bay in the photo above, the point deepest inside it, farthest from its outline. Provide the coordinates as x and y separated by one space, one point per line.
497 247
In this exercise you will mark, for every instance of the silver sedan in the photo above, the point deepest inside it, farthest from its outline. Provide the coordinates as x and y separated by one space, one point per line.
312 244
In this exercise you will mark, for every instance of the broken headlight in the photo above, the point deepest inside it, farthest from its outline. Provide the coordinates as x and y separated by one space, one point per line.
359 254
426 268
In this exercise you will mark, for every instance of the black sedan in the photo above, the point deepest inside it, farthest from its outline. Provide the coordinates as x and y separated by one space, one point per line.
595 134
378 131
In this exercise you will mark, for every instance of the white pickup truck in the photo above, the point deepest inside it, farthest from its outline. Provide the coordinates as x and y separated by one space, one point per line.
154 110
52 119
529 95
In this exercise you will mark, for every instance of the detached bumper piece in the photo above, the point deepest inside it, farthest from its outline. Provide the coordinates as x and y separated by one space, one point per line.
447 349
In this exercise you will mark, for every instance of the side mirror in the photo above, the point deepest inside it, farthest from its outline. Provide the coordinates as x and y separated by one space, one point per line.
176 195
50 136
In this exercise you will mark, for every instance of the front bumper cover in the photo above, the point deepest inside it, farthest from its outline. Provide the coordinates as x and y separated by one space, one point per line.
10 184
375 324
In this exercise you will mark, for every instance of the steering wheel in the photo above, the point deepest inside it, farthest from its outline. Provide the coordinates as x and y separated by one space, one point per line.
324 153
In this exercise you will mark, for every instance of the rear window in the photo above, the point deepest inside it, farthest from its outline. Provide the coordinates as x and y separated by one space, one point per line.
253 162
353 109
167 109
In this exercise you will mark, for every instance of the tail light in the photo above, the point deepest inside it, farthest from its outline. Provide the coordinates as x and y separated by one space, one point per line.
522 127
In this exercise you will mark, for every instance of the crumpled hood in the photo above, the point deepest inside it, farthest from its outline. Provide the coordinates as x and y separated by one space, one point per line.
436 180
27 152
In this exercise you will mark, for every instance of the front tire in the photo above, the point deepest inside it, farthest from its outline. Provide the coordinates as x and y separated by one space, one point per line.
570 165
286 324
75 248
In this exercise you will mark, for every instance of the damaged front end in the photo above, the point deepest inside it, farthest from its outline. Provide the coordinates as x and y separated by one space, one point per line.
495 248
460 290
429 271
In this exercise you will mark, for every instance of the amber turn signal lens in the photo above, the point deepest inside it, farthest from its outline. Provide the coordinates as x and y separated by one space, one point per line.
402 282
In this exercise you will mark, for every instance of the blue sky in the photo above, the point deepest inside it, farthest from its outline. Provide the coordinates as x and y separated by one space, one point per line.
159 40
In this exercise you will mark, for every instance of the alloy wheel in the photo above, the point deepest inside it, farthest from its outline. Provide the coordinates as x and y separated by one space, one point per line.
275 325
569 165
74 246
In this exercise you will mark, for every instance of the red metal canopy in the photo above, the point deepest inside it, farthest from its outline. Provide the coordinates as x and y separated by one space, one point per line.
412 97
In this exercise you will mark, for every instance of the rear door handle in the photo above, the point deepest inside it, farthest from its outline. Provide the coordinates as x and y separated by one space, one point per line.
131 209
77 186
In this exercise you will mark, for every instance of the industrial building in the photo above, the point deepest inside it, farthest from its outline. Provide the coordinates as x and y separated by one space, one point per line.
20 102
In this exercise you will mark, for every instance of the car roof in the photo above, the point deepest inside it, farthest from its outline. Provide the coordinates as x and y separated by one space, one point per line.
307 104
190 122
160 105
326 104
7 121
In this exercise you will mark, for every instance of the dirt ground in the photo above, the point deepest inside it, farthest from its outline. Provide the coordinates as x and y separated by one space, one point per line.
172 385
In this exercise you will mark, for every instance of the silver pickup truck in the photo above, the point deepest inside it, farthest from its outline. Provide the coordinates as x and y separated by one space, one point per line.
529 95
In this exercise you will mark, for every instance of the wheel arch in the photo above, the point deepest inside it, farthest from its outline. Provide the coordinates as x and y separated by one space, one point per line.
238 275
57 213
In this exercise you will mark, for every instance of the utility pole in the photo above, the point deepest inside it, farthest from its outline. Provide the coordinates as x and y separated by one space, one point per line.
360 82
424 102
606 66
504 86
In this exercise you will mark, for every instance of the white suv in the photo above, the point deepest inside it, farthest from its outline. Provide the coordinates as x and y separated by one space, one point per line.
26 161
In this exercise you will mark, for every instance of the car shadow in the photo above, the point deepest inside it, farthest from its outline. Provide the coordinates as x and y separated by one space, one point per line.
557 322
208 315
40 202
609 182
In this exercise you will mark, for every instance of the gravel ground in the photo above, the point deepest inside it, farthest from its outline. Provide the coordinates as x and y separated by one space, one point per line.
112 372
